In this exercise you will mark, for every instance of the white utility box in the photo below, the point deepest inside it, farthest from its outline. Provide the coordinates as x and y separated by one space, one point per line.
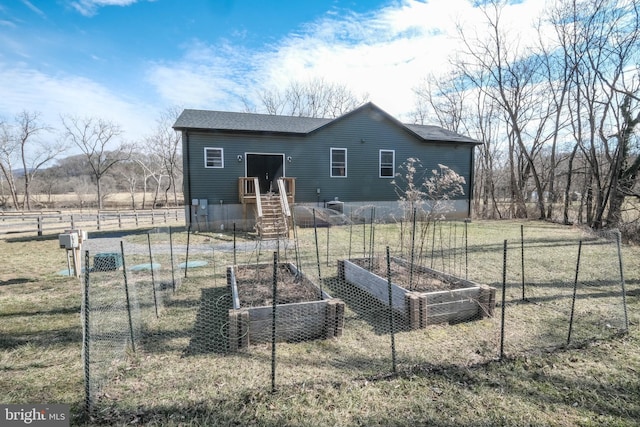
68 240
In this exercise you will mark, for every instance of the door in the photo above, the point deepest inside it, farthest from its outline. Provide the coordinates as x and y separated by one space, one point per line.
267 168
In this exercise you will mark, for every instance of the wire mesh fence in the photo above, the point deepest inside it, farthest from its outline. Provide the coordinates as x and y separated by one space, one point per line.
332 304
578 294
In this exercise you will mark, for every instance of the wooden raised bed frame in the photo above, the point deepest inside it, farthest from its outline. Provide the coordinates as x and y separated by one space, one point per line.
468 302
296 321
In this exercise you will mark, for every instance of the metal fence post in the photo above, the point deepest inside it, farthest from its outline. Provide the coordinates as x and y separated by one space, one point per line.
504 292
622 284
466 250
273 320
173 264
126 290
315 231
153 280
86 337
413 249
522 258
391 324
575 289
186 261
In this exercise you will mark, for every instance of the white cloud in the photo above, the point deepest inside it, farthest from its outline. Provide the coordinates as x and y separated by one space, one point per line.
384 54
90 7
33 7
205 78
58 95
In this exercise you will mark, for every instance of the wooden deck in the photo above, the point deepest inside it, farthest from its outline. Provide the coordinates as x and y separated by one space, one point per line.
247 189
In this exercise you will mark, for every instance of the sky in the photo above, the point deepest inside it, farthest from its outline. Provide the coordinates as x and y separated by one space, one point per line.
128 61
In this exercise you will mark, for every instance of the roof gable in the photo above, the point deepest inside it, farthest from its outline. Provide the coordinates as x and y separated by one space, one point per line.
225 121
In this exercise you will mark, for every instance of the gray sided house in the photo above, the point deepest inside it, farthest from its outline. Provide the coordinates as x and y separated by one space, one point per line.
347 163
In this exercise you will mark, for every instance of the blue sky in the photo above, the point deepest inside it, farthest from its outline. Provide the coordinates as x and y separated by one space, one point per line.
128 60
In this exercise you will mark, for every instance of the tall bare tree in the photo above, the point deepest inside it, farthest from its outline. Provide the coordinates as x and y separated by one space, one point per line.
9 156
22 143
445 98
164 147
97 139
605 51
153 169
34 153
312 98
624 176
448 99
513 75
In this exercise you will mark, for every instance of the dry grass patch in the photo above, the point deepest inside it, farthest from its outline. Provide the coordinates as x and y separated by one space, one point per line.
447 375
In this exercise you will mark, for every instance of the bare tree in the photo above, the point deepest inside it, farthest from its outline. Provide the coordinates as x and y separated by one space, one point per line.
455 107
34 153
624 176
94 137
444 97
21 143
163 147
489 167
154 171
8 156
312 98
509 74
605 53
130 173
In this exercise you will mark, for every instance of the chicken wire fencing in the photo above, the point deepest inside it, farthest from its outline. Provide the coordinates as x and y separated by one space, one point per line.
127 284
578 296
340 302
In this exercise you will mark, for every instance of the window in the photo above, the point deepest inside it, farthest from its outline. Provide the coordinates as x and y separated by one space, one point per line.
387 163
338 162
213 158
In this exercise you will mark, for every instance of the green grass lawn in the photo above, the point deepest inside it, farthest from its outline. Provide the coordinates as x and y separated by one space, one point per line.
447 375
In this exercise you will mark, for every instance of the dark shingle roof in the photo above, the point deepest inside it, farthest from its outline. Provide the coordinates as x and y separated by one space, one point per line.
435 133
251 122
248 122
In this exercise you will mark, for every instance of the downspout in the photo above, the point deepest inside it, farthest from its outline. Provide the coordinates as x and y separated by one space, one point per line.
471 179
187 197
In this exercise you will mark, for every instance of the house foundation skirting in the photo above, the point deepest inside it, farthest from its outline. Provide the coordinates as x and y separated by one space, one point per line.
222 217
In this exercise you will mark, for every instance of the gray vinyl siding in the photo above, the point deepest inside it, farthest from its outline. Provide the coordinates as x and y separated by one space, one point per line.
362 134
363 182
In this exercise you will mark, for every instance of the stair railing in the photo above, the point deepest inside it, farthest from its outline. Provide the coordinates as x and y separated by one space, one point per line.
256 184
284 202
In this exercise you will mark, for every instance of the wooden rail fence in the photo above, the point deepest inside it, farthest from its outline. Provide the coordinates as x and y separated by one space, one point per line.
53 222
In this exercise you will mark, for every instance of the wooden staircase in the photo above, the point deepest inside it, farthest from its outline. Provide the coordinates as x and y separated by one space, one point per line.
273 224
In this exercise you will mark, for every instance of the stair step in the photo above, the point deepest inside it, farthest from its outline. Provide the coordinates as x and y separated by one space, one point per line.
273 225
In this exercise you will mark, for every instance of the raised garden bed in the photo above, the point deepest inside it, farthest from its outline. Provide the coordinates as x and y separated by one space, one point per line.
424 297
303 311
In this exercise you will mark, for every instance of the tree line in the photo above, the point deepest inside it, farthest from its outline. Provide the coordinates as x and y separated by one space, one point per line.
558 112
34 169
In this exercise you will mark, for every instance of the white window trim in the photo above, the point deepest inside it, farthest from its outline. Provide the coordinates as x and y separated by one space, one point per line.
346 170
393 164
221 157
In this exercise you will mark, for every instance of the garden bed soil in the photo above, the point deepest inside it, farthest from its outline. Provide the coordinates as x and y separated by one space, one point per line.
303 311
401 274
424 297
256 286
